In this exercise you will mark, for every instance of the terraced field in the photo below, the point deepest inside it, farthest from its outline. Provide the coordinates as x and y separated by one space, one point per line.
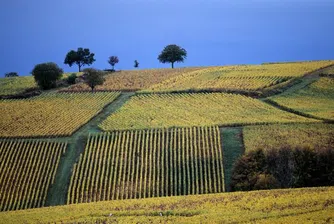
50 114
152 163
316 99
186 110
244 77
315 136
27 169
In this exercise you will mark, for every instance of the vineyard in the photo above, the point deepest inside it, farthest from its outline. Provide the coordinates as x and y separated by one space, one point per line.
153 163
16 85
314 136
27 169
244 77
186 110
133 80
306 205
317 99
50 114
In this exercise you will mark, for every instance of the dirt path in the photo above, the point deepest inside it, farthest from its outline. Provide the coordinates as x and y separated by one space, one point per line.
57 193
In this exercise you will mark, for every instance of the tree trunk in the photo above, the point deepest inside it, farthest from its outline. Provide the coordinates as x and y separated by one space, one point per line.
92 88
79 68
172 64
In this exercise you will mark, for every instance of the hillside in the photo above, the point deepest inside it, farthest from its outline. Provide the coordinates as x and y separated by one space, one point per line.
308 205
167 139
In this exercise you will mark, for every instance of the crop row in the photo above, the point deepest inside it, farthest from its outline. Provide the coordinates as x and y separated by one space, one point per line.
27 168
148 163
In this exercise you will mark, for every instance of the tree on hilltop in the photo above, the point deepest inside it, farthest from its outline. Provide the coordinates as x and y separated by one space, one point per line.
47 74
80 57
93 78
172 53
113 60
136 65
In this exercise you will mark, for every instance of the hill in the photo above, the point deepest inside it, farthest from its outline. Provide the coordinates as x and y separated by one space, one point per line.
308 205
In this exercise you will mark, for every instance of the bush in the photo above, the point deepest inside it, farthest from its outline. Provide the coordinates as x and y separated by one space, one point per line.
283 168
94 78
47 74
71 78
11 74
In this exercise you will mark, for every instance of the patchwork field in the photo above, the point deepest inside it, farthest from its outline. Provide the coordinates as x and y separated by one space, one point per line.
244 77
314 136
307 205
186 110
50 114
133 80
27 169
152 163
317 99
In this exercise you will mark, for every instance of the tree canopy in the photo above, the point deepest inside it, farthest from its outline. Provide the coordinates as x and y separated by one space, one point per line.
113 60
172 53
93 78
80 57
46 74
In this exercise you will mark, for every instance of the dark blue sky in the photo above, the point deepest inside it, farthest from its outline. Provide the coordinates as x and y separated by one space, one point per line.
214 32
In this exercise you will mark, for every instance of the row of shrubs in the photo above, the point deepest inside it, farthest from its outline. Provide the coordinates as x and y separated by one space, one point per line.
283 168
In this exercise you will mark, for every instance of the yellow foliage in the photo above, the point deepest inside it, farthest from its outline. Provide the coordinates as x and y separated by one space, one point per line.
50 114
27 169
16 85
243 77
316 99
314 136
148 163
186 110
307 205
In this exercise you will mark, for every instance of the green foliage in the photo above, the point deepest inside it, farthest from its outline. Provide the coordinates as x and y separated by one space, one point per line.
71 79
80 57
284 168
46 74
171 54
11 74
93 78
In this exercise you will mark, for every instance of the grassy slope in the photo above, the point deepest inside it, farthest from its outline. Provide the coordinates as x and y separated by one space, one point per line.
309 205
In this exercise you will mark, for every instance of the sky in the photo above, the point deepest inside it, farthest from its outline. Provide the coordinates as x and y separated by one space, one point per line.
214 32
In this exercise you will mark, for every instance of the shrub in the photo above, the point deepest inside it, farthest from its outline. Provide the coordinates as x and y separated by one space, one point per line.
284 168
71 78
47 74
11 74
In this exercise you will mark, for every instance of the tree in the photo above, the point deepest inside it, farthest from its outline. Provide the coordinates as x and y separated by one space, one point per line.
93 78
113 60
171 54
80 57
11 74
46 74
136 64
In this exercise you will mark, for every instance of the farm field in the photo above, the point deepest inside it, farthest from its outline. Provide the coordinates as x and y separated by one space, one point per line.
186 110
16 85
242 77
50 114
133 80
316 99
305 205
315 136
153 163
27 169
